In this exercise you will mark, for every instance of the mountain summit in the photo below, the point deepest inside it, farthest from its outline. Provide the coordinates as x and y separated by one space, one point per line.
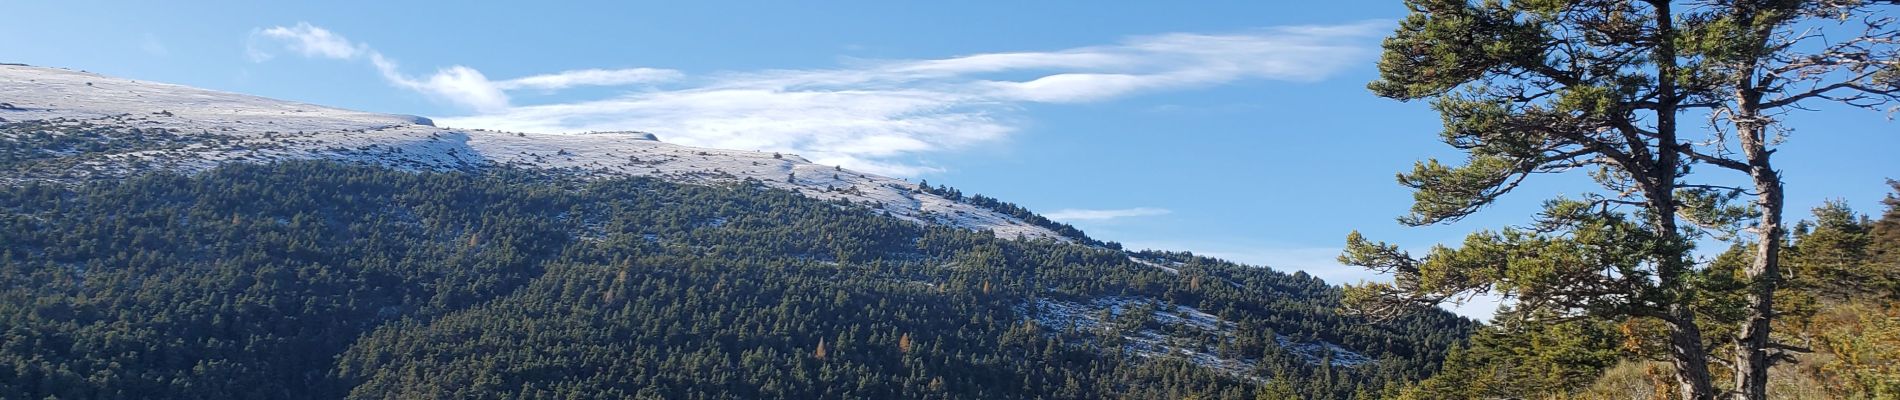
138 125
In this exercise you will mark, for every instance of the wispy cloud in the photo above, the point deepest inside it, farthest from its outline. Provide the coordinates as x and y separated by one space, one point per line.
590 77
456 84
867 114
1072 214
307 40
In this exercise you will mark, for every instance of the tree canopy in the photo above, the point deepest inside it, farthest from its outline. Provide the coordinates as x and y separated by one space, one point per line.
1611 89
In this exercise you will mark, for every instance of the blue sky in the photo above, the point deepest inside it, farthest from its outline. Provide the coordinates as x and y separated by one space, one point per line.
1235 129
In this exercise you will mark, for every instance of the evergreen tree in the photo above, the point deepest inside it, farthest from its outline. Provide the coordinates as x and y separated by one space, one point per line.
1529 88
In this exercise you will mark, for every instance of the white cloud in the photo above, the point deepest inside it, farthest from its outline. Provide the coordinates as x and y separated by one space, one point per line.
590 77
310 41
873 115
1072 214
455 84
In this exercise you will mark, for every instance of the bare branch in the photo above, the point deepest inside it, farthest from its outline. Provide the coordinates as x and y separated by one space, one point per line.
1689 150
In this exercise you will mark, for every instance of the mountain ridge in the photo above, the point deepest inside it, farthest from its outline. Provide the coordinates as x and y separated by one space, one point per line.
160 241
214 128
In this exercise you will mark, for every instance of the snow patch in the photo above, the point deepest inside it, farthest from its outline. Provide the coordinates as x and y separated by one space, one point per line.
1170 270
1318 351
1149 328
1146 328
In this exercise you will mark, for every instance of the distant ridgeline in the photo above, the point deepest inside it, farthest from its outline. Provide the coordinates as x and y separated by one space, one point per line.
328 279
1013 210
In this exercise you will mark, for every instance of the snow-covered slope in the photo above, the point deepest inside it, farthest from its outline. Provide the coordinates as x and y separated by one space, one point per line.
1168 330
194 129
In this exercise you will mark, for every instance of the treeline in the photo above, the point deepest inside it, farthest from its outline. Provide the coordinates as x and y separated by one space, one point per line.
1019 212
326 280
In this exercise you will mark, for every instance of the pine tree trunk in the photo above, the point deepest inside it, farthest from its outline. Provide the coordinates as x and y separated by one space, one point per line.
1686 354
1690 359
1763 273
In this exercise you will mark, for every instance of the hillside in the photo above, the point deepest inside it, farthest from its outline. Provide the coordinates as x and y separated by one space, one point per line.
158 241
97 127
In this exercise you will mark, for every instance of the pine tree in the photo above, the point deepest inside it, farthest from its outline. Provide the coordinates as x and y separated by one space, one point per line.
1531 88
1884 240
1277 388
1828 258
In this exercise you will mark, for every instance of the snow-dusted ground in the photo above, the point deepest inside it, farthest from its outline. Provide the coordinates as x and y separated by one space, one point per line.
1317 351
1171 270
256 129
1184 332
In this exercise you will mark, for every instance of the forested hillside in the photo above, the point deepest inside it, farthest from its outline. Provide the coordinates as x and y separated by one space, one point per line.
318 279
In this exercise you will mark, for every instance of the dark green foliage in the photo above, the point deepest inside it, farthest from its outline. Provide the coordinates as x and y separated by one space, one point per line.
66 149
325 280
1013 210
1829 258
1534 87
1524 361
1884 245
